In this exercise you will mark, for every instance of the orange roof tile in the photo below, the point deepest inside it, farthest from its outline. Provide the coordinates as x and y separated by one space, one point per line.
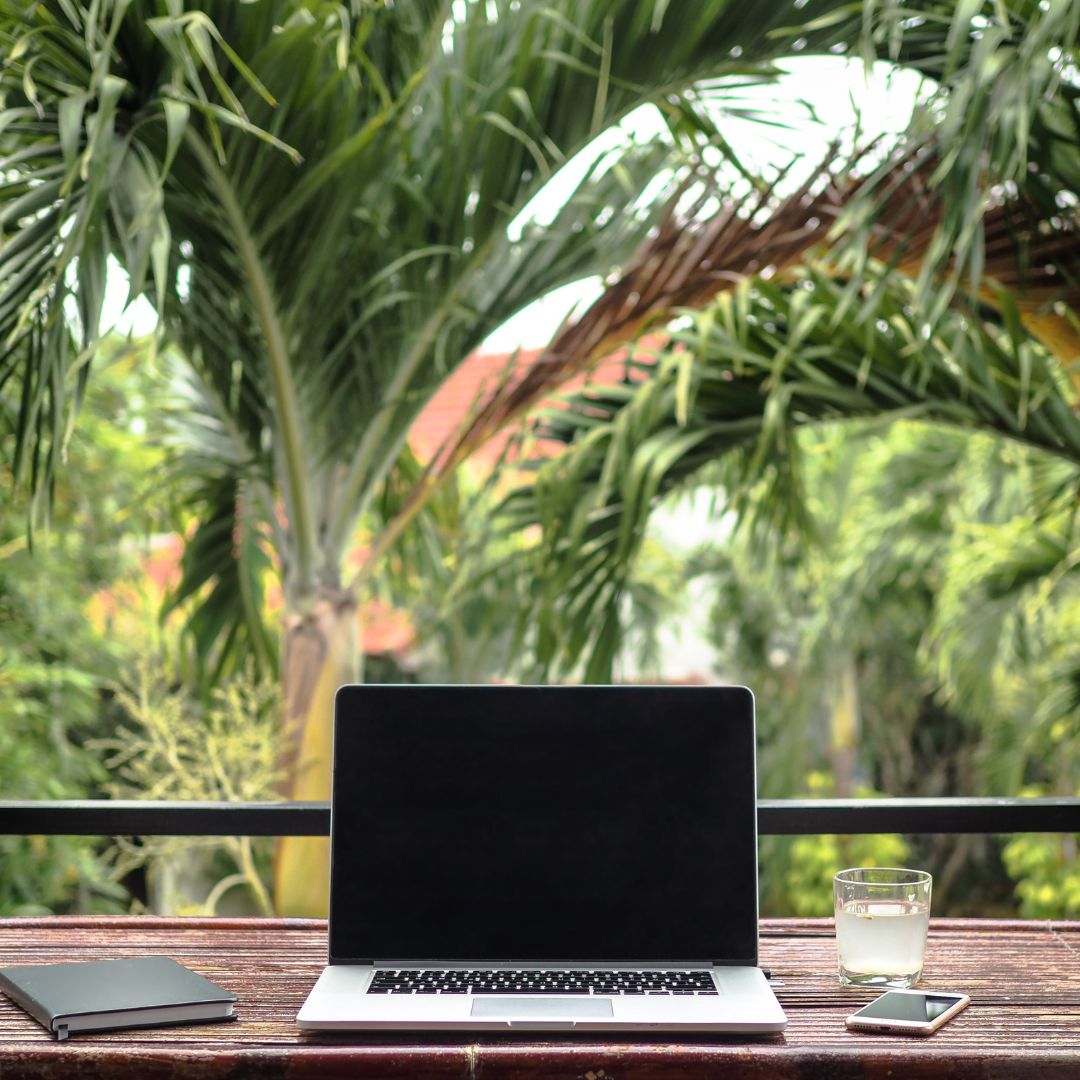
476 378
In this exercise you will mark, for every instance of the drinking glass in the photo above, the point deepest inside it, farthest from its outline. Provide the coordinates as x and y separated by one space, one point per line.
881 919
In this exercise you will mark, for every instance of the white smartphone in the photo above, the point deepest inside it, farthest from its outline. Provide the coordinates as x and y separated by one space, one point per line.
908 1012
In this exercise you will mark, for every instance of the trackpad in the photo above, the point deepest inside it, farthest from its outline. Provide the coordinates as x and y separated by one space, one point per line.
538 1007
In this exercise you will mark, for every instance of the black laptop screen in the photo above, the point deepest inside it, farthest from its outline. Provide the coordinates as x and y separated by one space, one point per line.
544 823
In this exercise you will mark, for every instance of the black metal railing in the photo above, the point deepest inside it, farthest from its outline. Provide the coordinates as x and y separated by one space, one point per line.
776 817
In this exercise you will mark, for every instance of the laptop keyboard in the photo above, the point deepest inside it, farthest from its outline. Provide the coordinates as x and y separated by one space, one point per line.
539 981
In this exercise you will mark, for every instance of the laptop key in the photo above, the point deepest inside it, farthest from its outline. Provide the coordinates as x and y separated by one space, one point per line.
540 981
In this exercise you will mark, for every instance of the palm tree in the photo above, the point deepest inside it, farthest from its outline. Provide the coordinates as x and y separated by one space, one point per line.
940 279
327 205
724 407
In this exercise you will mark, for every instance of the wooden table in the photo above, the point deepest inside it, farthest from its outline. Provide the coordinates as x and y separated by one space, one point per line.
1023 977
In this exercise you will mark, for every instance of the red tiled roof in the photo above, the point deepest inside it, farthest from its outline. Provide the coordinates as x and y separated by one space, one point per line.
475 379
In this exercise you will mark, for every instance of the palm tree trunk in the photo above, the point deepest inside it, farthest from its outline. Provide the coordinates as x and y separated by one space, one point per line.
844 736
845 725
321 652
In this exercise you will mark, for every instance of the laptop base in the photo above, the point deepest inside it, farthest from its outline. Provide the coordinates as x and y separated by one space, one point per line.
744 1004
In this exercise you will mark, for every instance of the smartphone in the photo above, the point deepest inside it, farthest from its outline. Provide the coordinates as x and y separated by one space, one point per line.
908 1012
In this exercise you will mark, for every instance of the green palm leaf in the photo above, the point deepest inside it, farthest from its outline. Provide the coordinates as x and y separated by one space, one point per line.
753 382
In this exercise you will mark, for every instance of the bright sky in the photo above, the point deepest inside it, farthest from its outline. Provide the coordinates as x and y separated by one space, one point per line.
832 86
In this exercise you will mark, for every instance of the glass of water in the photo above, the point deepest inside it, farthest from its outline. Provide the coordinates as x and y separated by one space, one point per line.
881 919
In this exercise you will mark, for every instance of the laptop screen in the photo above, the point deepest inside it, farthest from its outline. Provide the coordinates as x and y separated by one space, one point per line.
606 823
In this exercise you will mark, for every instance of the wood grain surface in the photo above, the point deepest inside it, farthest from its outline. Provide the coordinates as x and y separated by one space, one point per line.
1024 1020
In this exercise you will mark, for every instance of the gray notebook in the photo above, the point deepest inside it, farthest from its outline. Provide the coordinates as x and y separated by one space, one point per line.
104 995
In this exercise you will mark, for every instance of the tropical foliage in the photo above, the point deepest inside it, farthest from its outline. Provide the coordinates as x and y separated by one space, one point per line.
331 206
727 401
956 304
168 746
328 205
869 606
55 661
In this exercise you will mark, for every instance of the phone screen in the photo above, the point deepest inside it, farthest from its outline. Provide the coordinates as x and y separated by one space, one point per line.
921 1008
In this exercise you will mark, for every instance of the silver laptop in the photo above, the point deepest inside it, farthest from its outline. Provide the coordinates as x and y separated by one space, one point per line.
527 857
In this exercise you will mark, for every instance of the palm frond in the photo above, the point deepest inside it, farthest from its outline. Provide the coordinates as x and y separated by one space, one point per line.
1030 269
84 149
759 365
224 573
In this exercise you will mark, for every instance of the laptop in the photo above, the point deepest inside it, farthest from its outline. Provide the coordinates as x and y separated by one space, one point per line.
512 858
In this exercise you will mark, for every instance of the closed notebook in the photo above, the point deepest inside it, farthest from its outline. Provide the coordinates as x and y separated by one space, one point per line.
103 995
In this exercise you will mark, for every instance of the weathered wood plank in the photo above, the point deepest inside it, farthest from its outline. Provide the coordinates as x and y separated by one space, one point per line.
1024 979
